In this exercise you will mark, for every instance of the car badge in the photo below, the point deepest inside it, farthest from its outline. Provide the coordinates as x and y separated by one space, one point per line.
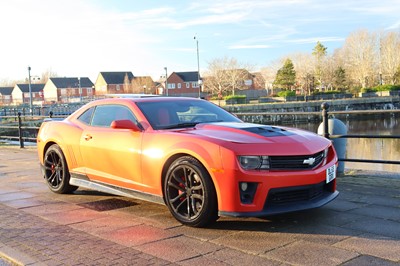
309 161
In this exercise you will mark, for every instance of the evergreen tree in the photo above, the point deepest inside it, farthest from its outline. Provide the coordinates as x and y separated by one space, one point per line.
340 78
286 76
319 52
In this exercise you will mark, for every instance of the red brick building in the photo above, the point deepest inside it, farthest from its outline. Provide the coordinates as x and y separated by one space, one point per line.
184 84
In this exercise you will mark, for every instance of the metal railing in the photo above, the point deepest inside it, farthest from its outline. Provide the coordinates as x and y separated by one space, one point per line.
325 133
17 124
325 130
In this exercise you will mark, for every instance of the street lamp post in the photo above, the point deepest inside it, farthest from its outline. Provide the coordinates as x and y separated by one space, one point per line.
30 91
198 66
80 89
166 80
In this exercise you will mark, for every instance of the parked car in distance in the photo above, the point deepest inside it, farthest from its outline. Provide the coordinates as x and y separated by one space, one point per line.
195 157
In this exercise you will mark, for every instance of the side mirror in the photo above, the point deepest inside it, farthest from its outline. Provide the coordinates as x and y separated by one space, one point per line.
125 124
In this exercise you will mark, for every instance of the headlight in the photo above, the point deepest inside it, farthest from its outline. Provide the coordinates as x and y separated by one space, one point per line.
326 152
250 162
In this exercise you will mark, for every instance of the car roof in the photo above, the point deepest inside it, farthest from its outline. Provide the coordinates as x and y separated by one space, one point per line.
130 95
145 99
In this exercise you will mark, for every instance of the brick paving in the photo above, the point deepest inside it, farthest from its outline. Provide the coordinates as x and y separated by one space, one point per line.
37 227
55 244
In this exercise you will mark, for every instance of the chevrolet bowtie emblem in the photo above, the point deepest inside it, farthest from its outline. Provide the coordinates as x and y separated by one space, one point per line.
309 161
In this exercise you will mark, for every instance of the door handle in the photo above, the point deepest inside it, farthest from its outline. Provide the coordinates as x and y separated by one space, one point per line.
88 137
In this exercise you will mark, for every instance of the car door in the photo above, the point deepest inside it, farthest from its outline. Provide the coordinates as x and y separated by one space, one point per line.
112 155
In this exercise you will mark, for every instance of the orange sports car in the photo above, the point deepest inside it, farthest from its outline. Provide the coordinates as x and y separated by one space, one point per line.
195 157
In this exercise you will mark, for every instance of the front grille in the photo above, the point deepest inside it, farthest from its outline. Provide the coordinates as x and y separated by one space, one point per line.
279 196
300 162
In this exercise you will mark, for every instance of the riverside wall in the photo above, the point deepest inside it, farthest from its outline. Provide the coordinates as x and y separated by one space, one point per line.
289 112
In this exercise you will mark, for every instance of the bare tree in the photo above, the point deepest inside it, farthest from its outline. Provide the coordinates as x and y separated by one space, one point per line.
127 84
389 49
303 65
49 73
359 52
226 75
142 85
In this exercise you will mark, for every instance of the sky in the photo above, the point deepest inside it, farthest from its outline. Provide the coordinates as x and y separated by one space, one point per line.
80 38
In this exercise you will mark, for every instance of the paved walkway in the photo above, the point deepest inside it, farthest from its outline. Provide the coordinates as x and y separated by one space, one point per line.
37 227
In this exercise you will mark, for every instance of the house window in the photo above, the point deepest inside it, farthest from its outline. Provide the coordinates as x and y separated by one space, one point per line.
248 82
187 85
195 85
171 85
89 91
179 85
63 92
117 87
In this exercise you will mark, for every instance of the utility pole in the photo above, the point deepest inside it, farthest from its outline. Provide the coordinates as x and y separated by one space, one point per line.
166 80
198 66
30 91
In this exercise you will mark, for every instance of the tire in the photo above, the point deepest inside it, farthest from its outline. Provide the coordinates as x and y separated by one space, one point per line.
56 171
189 193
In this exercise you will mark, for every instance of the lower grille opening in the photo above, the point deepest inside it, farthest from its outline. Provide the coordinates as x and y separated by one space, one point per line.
278 196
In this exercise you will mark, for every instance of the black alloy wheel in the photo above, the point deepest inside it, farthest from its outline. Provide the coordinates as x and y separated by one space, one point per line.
189 193
56 171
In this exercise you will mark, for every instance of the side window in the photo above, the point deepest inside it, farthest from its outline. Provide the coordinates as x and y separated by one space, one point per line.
105 114
86 116
123 113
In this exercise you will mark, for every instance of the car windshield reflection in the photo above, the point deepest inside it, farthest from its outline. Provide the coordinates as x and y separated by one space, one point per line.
183 114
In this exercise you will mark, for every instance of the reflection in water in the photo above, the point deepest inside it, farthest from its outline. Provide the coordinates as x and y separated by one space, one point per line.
374 149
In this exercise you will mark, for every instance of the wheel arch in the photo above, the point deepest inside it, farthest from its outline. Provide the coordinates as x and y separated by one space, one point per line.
51 143
174 157
47 146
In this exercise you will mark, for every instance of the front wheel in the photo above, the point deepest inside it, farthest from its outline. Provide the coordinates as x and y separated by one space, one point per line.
189 193
56 171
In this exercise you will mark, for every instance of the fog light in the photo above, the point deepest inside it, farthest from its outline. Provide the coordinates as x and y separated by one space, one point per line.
247 191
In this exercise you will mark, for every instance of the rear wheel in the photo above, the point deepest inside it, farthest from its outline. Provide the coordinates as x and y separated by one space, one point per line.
189 193
56 171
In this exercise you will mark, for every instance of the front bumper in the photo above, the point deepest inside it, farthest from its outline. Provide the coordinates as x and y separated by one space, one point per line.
292 199
273 191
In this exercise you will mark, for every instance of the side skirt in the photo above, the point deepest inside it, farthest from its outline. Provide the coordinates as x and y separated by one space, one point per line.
83 181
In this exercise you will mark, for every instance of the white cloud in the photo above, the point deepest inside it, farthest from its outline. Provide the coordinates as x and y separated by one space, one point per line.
255 46
394 26
71 37
315 40
75 37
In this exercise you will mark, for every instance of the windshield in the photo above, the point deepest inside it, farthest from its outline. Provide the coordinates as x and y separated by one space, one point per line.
183 113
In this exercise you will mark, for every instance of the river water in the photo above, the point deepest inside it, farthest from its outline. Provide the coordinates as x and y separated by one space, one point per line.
362 148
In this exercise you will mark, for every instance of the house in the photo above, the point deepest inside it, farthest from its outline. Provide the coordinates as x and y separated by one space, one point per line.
235 81
259 81
20 93
254 86
67 89
5 95
113 82
184 84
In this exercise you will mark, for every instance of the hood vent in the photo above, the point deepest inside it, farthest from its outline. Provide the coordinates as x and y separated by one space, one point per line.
268 131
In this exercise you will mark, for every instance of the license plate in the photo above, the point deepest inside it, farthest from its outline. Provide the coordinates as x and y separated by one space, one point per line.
330 173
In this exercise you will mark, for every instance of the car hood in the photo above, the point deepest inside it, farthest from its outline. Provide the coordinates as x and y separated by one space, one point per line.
259 135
